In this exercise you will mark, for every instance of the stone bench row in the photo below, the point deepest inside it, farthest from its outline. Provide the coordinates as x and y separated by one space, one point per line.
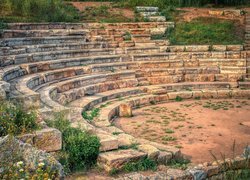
80 51
198 48
17 50
168 73
42 33
132 55
114 110
113 63
38 26
119 78
156 70
15 42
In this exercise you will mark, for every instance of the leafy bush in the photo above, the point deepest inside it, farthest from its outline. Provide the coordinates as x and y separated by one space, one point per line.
38 10
14 120
80 149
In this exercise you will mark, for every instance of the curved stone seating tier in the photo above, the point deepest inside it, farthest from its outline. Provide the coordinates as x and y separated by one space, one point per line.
67 85
17 50
43 56
75 67
38 26
43 33
30 41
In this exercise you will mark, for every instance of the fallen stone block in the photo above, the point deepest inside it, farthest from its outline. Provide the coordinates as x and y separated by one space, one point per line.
48 139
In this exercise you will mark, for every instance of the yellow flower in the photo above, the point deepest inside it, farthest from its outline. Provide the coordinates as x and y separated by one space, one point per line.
20 163
41 164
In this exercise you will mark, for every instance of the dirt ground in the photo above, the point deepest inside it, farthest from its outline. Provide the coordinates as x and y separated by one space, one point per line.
199 127
187 14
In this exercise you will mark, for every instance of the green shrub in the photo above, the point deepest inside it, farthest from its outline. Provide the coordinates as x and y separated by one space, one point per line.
80 149
142 165
15 120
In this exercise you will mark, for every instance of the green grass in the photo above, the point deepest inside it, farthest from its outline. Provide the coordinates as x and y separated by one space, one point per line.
142 165
91 115
179 164
205 31
37 11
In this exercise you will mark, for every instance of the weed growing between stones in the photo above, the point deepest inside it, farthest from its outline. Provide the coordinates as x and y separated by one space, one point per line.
230 167
178 99
15 120
142 165
80 148
90 116
179 164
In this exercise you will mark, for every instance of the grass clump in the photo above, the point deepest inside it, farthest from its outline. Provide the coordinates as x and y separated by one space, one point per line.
142 165
179 164
15 120
205 31
80 149
178 99
90 116
37 11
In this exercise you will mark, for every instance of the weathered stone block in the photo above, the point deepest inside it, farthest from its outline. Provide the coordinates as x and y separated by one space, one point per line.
151 151
125 110
48 139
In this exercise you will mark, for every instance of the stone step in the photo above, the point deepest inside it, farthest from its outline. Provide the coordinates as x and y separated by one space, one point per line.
156 18
77 26
13 42
146 9
38 26
17 50
117 159
42 33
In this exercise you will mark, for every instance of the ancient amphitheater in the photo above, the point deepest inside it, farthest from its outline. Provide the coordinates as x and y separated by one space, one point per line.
79 67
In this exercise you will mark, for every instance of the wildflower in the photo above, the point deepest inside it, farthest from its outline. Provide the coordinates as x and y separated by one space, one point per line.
20 163
21 170
41 164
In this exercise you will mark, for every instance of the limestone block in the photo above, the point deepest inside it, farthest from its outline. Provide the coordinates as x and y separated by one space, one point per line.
176 48
126 140
197 48
146 9
157 18
216 12
117 159
151 151
108 142
234 48
158 31
164 157
209 94
182 94
219 47
48 139
224 93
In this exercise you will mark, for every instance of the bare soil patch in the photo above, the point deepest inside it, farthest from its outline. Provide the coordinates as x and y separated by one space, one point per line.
197 127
